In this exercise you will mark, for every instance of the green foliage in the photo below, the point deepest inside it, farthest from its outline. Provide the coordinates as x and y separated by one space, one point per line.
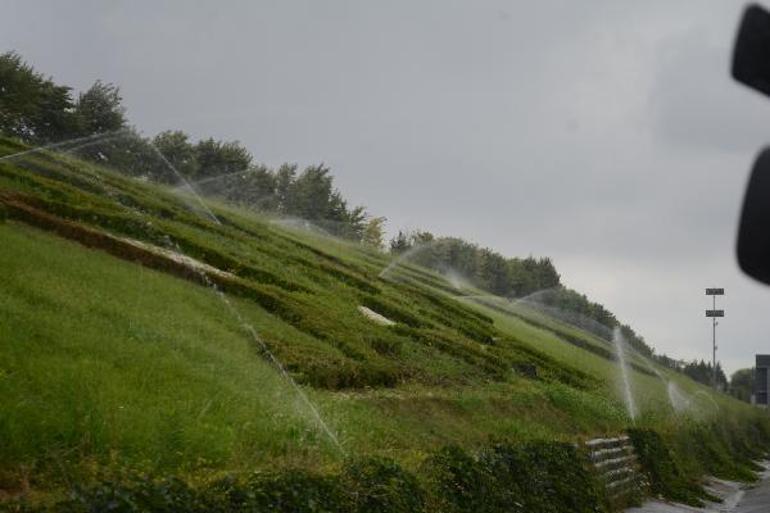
459 482
374 232
543 477
742 384
703 372
32 107
100 109
215 158
180 153
724 449
539 476
674 462
666 477
485 268
35 109
548 476
381 486
293 491
139 494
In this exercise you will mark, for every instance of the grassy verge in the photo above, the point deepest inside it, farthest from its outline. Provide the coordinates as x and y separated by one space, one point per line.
113 375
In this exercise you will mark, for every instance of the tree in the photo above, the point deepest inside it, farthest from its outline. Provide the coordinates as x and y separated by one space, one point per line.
742 384
99 109
311 195
32 107
253 188
493 273
701 372
176 148
374 232
130 154
284 182
355 223
215 158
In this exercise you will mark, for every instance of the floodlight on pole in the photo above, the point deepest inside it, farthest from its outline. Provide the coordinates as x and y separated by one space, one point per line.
714 313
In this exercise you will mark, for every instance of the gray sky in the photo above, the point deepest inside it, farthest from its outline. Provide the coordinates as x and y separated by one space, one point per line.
605 134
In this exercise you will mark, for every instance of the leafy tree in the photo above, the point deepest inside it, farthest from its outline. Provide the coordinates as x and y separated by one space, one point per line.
354 223
284 180
311 195
130 154
100 109
37 110
374 232
32 107
485 268
493 273
254 188
176 148
701 372
742 384
216 158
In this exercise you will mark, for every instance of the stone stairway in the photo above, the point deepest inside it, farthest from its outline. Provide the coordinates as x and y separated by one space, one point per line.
615 462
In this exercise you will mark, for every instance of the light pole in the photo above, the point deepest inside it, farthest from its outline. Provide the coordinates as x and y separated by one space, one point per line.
714 313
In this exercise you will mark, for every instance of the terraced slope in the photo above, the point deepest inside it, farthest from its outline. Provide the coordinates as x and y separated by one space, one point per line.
138 332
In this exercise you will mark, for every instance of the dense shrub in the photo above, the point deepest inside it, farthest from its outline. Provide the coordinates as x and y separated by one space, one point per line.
293 491
382 486
459 482
722 449
539 476
666 478
545 477
138 494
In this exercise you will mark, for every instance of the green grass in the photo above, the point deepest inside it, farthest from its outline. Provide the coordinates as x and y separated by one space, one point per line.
106 364
105 359
108 361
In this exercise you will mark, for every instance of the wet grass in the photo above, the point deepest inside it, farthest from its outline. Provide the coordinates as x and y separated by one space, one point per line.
106 364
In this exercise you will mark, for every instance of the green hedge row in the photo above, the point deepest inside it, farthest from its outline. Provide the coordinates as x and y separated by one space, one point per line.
546 477
502 477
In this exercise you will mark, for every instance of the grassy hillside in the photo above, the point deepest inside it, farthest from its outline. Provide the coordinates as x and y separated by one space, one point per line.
115 358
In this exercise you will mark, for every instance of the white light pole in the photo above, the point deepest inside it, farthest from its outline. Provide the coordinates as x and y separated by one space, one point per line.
714 313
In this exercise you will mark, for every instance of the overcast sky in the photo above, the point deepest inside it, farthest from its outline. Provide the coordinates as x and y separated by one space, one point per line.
606 135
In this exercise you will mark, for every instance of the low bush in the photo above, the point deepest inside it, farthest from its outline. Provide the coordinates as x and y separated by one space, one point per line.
381 486
546 477
458 482
665 476
296 491
538 476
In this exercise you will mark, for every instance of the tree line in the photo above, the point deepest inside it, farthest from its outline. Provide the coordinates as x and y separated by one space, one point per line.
511 278
38 111
703 372
485 268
